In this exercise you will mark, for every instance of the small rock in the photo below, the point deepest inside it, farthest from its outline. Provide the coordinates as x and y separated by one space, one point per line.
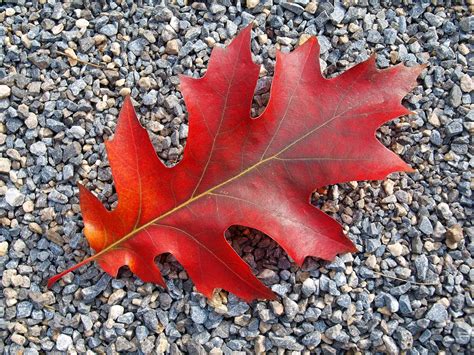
77 86
217 9
252 3
388 186
18 339
109 30
4 91
462 332
3 248
336 333
32 121
295 8
14 197
23 309
291 308
150 98
434 120
454 235
437 313
374 36
77 132
312 339
115 48
137 46
19 245
173 47
28 206
391 303
82 23
259 346
456 96
63 342
390 345
421 265
453 129
311 8
466 83
308 287
405 305
425 225
395 249
5 165
405 338
198 314
286 342
116 311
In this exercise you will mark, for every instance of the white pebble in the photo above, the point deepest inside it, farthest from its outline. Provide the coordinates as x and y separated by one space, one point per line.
38 148
5 165
82 23
115 311
19 246
14 197
63 342
4 91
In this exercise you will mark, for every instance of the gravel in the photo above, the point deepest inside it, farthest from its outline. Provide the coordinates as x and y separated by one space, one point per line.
408 289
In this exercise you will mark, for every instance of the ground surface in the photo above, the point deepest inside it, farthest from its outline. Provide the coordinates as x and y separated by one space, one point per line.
55 113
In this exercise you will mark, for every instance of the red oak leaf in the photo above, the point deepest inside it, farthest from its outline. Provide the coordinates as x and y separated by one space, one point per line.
238 170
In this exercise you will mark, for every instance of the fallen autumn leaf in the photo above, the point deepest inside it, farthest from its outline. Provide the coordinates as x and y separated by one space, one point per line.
238 170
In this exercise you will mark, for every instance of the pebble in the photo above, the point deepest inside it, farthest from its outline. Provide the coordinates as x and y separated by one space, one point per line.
291 308
425 225
137 46
173 47
150 98
38 148
3 248
465 83
109 30
5 165
405 305
390 345
308 287
198 315
32 121
4 91
23 309
116 311
14 197
63 342
454 129
462 332
336 333
82 23
77 86
421 265
395 249
77 132
437 313
454 235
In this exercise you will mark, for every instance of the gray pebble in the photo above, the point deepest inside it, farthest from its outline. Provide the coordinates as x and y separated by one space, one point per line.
437 313
109 30
462 332
425 226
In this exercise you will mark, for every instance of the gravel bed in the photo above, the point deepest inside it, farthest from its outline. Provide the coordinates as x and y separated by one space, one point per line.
409 288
